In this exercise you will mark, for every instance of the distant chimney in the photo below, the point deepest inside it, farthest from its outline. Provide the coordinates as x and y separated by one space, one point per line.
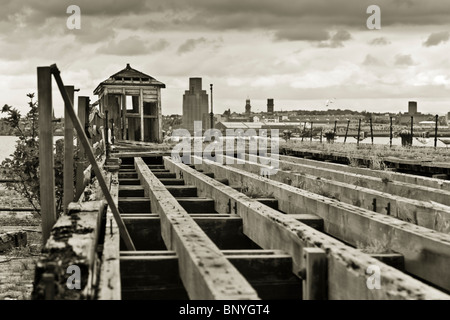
270 106
412 107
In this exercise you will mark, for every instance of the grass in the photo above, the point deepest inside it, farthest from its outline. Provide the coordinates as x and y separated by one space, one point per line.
375 247
253 192
374 152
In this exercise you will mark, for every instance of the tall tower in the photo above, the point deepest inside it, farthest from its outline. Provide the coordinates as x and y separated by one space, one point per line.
195 105
248 107
412 107
270 106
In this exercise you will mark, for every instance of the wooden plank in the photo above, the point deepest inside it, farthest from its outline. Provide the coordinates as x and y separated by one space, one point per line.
271 229
426 252
83 105
47 174
90 154
315 284
141 112
204 270
73 242
68 153
109 283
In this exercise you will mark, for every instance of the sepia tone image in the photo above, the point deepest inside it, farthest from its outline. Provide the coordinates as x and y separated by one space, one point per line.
224 150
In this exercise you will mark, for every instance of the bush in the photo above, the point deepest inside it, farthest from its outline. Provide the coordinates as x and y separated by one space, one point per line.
24 164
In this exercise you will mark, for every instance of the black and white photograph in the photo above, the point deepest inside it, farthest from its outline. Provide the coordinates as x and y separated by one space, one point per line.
254 152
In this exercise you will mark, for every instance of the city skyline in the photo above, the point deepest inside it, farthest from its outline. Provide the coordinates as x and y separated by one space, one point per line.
300 53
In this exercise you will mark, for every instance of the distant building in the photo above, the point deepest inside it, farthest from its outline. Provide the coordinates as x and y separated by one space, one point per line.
195 105
412 108
270 106
248 107
133 100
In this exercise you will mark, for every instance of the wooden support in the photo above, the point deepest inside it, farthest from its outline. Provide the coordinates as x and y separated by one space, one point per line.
83 106
371 130
347 278
205 272
124 114
47 175
346 131
359 132
436 130
90 154
315 284
390 133
141 112
68 153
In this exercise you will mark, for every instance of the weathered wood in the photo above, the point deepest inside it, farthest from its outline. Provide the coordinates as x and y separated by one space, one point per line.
90 154
73 242
204 270
47 174
109 282
83 105
141 113
68 153
271 229
315 284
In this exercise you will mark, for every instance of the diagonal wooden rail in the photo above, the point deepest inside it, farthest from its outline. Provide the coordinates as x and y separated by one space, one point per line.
90 154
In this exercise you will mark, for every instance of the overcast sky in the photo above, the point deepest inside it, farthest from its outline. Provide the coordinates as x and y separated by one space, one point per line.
299 52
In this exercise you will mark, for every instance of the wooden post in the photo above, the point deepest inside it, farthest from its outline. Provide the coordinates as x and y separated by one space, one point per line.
436 131
112 131
371 130
335 126
106 135
315 284
390 134
311 131
124 115
83 109
359 132
90 154
47 174
141 112
412 129
346 131
321 133
304 129
68 153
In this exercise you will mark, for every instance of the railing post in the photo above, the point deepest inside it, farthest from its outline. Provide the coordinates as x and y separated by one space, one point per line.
359 132
390 134
68 152
83 108
371 130
436 131
47 174
106 135
412 129
346 131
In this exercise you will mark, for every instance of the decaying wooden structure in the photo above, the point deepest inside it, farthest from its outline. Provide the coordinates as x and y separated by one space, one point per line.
139 119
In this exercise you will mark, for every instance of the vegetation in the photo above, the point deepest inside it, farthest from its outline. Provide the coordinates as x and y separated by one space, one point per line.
23 166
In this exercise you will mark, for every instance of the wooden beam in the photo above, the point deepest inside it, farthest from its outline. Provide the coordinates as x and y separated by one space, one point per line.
47 174
110 282
124 114
90 154
346 266
68 153
141 112
204 270
83 106
315 284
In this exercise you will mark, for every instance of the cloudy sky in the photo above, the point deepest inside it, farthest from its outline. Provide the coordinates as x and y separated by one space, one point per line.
299 52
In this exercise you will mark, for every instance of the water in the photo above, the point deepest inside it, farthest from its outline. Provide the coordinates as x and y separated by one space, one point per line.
8 145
